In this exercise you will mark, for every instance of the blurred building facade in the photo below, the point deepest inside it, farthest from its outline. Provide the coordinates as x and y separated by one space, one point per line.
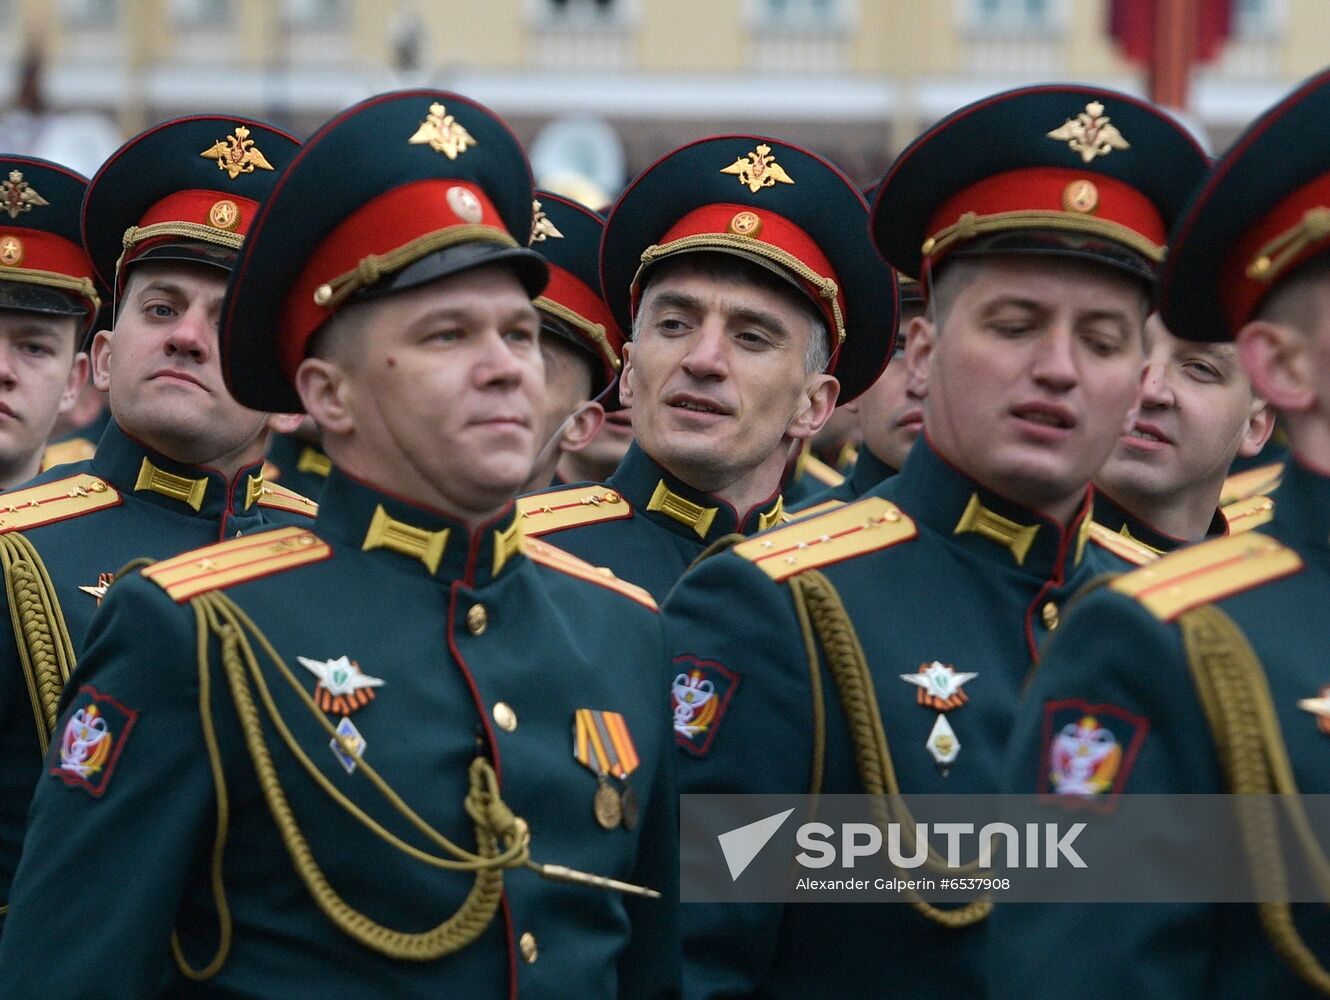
854 79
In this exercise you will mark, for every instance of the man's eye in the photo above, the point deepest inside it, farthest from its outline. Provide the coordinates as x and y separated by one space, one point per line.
160 310
521 335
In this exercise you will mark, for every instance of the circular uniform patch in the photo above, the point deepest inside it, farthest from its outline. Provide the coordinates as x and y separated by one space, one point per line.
464 203
224 214
1080 196
11 251
745 224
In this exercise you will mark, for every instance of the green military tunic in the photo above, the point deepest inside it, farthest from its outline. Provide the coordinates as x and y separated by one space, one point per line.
983 582
1117 518
808 477
644 524
297 465
1121 660
437 648
867 472
86 521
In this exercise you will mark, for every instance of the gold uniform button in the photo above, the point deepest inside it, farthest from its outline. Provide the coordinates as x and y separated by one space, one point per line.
505 716
1050 616
477 619
527 945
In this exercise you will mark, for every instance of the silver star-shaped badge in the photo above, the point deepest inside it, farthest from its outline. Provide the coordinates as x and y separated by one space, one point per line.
939 680
1317 706
339 676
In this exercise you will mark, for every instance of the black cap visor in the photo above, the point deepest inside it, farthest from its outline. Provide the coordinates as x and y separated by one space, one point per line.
528 266
1049 243
26 297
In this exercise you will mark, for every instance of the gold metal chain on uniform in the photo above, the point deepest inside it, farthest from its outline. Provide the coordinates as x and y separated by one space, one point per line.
1235 696
818 603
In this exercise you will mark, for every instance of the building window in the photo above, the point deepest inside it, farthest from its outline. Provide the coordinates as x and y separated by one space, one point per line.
89 15
802 15
317 15
1257 20
584 11
1013 17
195 14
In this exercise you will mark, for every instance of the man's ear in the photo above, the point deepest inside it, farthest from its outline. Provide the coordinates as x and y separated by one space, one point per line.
582 426
1260 425
625 375
74 383
322 385
815 407
920 345
1276 359
284 423
100 357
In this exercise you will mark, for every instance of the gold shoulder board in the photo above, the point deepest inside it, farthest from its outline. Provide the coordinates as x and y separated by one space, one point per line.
66 452
42 504
236 561
850 530
1243 515
1253 482
813 466
565 562
570 508
1134 552
282 498
1210 571
786 516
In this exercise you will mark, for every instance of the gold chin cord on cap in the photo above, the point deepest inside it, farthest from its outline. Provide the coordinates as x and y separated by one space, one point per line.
970 225
826 287
1275 257
593 330
82 287
371 268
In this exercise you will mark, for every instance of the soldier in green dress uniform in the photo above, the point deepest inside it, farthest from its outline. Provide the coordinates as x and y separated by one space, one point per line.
890 417
402 751
580 340
179 466
743 266
924 603
1198 412
1205 672
48 298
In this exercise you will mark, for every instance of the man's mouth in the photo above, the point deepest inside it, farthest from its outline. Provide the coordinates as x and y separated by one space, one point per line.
1046 415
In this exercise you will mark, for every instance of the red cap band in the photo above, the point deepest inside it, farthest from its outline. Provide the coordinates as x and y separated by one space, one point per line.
1281 241
380 226
1072 193
572 293
765 231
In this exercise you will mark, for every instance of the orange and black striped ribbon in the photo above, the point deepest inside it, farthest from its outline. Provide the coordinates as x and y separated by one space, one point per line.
601 742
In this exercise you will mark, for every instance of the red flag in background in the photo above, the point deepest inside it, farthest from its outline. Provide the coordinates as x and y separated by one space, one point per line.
1169 37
